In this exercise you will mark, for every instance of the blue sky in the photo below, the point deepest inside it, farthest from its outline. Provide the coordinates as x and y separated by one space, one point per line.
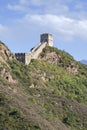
22 22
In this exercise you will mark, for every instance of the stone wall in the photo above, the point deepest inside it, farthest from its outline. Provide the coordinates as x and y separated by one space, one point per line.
45 40
34 53
20 57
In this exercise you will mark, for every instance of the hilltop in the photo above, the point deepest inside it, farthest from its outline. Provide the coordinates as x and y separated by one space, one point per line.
48 94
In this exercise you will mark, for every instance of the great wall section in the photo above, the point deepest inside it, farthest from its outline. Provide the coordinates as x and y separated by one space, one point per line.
45 40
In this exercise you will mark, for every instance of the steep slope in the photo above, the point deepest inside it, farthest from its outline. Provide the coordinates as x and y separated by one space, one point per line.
60 58
5 55
47 95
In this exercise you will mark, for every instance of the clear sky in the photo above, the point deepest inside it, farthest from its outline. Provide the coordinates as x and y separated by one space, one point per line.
22 22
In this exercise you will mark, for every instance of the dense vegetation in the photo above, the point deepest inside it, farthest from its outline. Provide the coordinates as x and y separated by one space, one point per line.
44 96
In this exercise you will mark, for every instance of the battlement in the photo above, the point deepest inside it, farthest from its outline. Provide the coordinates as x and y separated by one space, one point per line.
20 57
45 40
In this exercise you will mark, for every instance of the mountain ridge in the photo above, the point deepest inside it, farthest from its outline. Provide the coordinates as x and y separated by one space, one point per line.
84 62
46 94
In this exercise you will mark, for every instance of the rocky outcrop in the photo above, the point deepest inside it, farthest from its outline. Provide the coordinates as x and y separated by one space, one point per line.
56 58
52 58
72 69
5 53
5 74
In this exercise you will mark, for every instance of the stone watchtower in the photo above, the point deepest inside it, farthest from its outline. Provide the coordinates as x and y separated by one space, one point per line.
46 38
